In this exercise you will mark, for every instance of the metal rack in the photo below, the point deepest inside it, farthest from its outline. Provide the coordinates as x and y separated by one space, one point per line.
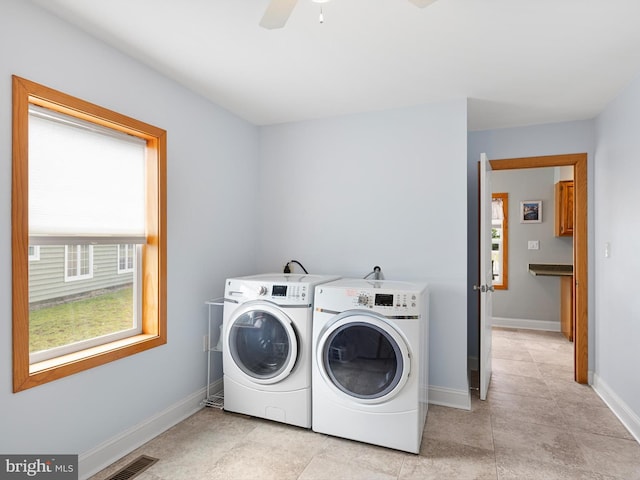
214 399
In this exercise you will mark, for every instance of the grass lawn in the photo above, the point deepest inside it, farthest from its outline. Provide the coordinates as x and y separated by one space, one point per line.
80 320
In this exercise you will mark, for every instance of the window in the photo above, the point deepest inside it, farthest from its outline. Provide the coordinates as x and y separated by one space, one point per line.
103 240
78 262
500 240
126 258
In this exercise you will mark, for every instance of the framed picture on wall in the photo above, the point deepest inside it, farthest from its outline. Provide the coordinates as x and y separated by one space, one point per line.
531 211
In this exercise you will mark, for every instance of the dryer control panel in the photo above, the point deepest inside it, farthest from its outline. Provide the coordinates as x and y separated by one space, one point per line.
388 298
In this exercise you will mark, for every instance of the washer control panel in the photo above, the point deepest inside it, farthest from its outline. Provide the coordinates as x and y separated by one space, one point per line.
289 293
394 300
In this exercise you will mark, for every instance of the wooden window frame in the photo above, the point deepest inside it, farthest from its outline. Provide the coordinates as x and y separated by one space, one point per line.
505 240
154 251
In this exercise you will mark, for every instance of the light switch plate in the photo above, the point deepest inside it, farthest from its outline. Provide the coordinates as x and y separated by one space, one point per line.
534 245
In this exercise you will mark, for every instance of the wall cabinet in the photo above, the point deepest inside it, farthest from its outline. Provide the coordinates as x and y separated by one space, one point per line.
564 209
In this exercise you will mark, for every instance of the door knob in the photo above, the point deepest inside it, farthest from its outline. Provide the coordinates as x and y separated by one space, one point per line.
484 288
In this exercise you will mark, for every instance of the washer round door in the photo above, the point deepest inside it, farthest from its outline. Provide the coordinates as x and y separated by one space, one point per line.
363 358
262 343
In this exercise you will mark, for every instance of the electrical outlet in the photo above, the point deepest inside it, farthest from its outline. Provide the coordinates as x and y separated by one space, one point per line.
205 343
534 245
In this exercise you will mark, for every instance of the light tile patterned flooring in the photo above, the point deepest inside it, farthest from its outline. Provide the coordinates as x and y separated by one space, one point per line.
536 424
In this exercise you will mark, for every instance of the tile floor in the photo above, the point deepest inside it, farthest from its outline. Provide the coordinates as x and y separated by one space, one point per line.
536 424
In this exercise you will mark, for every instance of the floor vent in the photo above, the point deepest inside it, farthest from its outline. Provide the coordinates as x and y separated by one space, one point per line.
134 469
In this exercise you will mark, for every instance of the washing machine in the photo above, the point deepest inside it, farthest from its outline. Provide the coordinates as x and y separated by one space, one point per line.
266 332
370 368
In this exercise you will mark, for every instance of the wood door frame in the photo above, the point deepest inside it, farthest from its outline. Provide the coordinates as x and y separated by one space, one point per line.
580 252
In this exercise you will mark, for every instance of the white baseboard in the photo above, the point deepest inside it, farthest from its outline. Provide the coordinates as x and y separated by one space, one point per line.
100 457
448 397
526 324
628 417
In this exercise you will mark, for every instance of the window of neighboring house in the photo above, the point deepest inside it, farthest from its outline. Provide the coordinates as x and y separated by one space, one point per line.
126 258
34 253
500 240
78 262
71 203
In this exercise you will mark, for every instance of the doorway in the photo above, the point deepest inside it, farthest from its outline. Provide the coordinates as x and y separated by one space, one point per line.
580 253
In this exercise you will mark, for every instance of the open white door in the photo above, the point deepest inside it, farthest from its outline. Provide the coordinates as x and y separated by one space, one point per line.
485 283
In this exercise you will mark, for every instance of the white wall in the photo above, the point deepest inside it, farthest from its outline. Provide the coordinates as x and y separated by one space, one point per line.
212 155
530 301
617 171
548 139
344 194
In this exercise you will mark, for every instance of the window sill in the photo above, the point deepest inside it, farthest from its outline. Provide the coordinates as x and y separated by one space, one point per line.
59 367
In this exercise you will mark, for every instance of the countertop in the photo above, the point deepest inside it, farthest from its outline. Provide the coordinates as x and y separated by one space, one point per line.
551 269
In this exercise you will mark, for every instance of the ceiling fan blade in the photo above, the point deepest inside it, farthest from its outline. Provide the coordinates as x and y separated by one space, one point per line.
422 3
277 13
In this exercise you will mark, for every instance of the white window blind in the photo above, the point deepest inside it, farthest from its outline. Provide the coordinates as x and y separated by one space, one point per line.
86 182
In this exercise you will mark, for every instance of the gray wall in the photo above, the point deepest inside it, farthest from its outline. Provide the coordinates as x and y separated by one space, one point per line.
534 299
212 155
347 193
617 313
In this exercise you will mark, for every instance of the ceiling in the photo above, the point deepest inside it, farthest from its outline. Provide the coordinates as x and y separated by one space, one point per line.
520 62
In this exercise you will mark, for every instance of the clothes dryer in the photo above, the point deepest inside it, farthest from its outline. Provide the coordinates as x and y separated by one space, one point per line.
370 368
267 328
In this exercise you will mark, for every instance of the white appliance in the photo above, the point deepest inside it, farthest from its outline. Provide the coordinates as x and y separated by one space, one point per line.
369 373
267 346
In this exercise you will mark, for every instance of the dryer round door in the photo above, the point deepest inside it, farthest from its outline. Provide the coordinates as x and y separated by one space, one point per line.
363 358
262 342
